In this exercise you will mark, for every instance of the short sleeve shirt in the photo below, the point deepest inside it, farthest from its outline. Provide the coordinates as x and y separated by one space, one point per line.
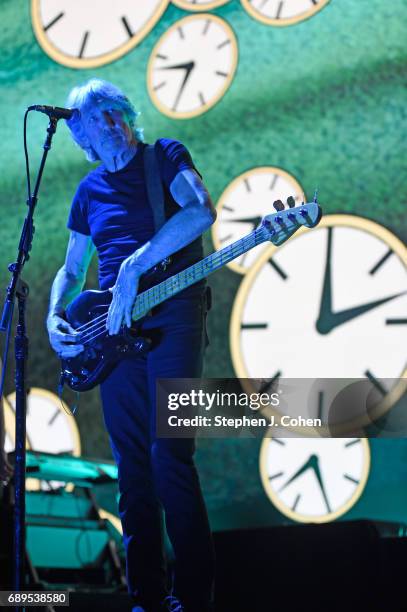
113 208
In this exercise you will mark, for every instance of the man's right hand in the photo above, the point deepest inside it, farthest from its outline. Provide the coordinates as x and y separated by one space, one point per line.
63 338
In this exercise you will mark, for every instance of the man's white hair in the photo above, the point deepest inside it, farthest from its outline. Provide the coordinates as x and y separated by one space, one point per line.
90 94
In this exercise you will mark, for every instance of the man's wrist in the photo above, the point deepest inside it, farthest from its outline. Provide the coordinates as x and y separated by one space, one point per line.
56 314
137 264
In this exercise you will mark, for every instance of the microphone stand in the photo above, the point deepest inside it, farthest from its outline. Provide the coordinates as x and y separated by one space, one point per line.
17 287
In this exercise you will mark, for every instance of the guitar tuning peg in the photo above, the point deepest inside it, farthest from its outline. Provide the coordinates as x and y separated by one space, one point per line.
278 205
291 201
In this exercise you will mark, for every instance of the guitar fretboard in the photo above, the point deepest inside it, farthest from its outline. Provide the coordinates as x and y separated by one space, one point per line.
173 285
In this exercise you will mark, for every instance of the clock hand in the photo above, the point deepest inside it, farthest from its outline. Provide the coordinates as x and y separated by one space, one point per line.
307 465
188 67
255 221
328 320
312 464
325 307
315 467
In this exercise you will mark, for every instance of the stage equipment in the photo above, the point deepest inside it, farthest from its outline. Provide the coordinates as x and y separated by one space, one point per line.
18 288
82 472
343 566
69 542
54 111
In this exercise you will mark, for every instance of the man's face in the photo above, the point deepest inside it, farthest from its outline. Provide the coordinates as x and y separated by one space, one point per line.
107 128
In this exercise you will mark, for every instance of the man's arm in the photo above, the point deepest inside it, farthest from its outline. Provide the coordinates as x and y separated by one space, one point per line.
67 285
196 215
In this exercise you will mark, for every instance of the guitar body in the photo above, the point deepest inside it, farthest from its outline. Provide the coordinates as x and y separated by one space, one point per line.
87 314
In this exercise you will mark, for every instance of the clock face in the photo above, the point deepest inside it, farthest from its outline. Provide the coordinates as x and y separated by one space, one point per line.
10 426
31 484
282 12
192 66
330 303
88 34
50 426
244 202
314 480
199 5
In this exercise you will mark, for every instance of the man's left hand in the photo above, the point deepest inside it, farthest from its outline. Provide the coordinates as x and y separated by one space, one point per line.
124 295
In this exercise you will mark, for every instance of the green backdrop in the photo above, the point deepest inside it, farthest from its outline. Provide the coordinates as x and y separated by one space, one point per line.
323 99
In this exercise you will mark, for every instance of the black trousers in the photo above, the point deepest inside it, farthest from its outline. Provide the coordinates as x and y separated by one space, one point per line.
159 473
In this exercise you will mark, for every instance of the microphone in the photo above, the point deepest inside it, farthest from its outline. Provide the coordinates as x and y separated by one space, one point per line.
55 111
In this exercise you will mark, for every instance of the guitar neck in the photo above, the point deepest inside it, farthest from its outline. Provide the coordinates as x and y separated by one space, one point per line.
191 275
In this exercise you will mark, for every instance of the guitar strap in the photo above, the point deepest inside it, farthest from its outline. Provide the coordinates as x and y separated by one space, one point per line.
155 194
154 186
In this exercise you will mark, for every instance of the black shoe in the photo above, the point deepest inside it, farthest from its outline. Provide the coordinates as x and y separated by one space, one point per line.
169 604
172 604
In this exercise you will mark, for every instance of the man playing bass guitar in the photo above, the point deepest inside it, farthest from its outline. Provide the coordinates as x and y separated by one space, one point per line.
111 213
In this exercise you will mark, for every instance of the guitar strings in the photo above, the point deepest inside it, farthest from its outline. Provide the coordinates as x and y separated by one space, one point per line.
90 324
92 329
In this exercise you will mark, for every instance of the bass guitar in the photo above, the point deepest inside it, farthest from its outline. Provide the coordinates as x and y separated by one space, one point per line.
87 313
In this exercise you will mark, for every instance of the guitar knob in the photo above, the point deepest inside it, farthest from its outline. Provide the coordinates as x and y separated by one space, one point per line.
278 205
140 345
291 201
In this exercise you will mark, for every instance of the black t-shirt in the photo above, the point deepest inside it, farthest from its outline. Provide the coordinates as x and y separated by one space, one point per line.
113 208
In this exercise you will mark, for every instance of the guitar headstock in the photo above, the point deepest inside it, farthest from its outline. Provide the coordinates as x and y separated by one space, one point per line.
286 221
